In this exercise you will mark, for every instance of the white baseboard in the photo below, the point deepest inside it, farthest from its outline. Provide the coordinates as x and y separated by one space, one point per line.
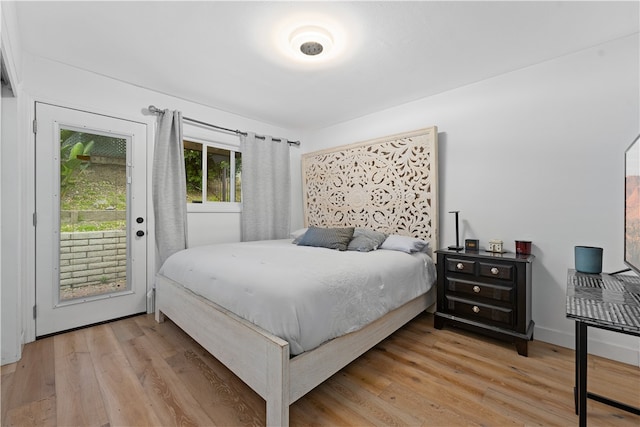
598 347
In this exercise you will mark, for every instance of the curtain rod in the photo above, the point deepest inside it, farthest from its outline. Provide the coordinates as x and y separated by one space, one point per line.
156 110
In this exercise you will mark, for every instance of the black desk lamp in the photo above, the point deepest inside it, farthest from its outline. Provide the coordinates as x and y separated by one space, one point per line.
457 247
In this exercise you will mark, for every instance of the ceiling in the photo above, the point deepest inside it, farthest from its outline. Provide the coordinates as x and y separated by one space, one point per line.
224 54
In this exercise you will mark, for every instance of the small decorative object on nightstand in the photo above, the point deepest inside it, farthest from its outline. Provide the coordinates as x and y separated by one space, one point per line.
471 245
495 246
523 247
486 293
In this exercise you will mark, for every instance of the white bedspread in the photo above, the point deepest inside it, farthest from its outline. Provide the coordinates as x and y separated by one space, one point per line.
305 295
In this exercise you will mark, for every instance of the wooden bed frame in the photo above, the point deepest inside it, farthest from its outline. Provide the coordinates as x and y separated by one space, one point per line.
261 359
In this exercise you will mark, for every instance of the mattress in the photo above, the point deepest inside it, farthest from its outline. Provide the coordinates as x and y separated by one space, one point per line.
304 295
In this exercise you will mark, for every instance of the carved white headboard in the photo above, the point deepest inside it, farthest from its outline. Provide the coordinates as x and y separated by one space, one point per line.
388 184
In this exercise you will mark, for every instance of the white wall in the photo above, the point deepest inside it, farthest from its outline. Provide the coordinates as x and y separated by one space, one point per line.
535 154
10 247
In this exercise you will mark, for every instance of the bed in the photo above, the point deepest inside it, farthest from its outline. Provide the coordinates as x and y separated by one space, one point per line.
389 185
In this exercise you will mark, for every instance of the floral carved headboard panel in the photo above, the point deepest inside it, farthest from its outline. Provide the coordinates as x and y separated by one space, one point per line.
388 184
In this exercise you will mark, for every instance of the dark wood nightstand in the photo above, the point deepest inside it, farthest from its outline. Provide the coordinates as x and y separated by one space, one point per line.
486 292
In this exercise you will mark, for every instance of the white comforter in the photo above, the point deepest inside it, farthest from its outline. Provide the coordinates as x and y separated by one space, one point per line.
305 295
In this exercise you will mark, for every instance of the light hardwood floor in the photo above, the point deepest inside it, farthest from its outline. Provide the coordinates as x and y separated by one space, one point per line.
137 372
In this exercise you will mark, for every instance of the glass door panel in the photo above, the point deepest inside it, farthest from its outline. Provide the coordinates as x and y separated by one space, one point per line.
93 214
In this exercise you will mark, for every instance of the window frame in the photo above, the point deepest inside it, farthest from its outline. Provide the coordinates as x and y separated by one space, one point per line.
223 144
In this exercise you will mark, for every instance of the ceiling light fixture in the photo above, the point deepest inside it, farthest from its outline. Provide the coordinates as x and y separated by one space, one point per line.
311 42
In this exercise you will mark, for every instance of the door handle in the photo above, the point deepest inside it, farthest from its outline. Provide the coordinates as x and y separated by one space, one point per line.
139 233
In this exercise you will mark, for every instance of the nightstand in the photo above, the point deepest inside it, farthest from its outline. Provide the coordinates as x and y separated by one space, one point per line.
485 292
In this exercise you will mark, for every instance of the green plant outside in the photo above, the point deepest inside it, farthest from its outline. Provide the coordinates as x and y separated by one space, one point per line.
82 197
217 171
193 169
70 164
93 226
81 191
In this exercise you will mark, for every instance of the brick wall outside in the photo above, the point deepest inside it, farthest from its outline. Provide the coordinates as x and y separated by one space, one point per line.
89 258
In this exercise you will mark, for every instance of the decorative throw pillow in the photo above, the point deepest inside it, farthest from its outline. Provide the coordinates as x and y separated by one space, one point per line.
405 244
366 240
332 238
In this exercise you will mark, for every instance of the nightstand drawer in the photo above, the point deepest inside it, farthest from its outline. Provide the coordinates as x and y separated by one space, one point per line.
461 266
477 311
475 290
496 271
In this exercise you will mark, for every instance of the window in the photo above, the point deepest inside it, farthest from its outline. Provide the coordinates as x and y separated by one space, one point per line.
213 173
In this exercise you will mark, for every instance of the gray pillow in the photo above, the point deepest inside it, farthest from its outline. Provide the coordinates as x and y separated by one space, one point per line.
366 240
332 238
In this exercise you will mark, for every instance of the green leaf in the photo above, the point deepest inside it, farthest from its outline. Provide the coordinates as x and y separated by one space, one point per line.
87 148
78 148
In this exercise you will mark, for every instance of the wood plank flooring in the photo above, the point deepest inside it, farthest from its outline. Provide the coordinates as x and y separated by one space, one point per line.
137 372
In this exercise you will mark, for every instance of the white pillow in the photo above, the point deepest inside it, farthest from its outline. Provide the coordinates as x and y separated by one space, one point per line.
405 244
298 233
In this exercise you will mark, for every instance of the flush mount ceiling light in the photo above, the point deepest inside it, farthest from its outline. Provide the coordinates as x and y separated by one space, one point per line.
311 41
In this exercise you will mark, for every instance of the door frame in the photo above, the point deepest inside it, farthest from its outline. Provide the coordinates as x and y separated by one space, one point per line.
54 313
26 116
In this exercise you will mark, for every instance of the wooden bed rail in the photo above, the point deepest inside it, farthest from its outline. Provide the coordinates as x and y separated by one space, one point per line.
261 359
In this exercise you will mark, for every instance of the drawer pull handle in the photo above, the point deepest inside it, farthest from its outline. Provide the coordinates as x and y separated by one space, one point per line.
476 289
460 266
494 270
476 309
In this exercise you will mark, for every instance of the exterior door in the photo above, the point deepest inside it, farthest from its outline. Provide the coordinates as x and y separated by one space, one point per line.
90 218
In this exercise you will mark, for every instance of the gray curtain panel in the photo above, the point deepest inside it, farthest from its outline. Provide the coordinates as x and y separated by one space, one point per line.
265 188
169 186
